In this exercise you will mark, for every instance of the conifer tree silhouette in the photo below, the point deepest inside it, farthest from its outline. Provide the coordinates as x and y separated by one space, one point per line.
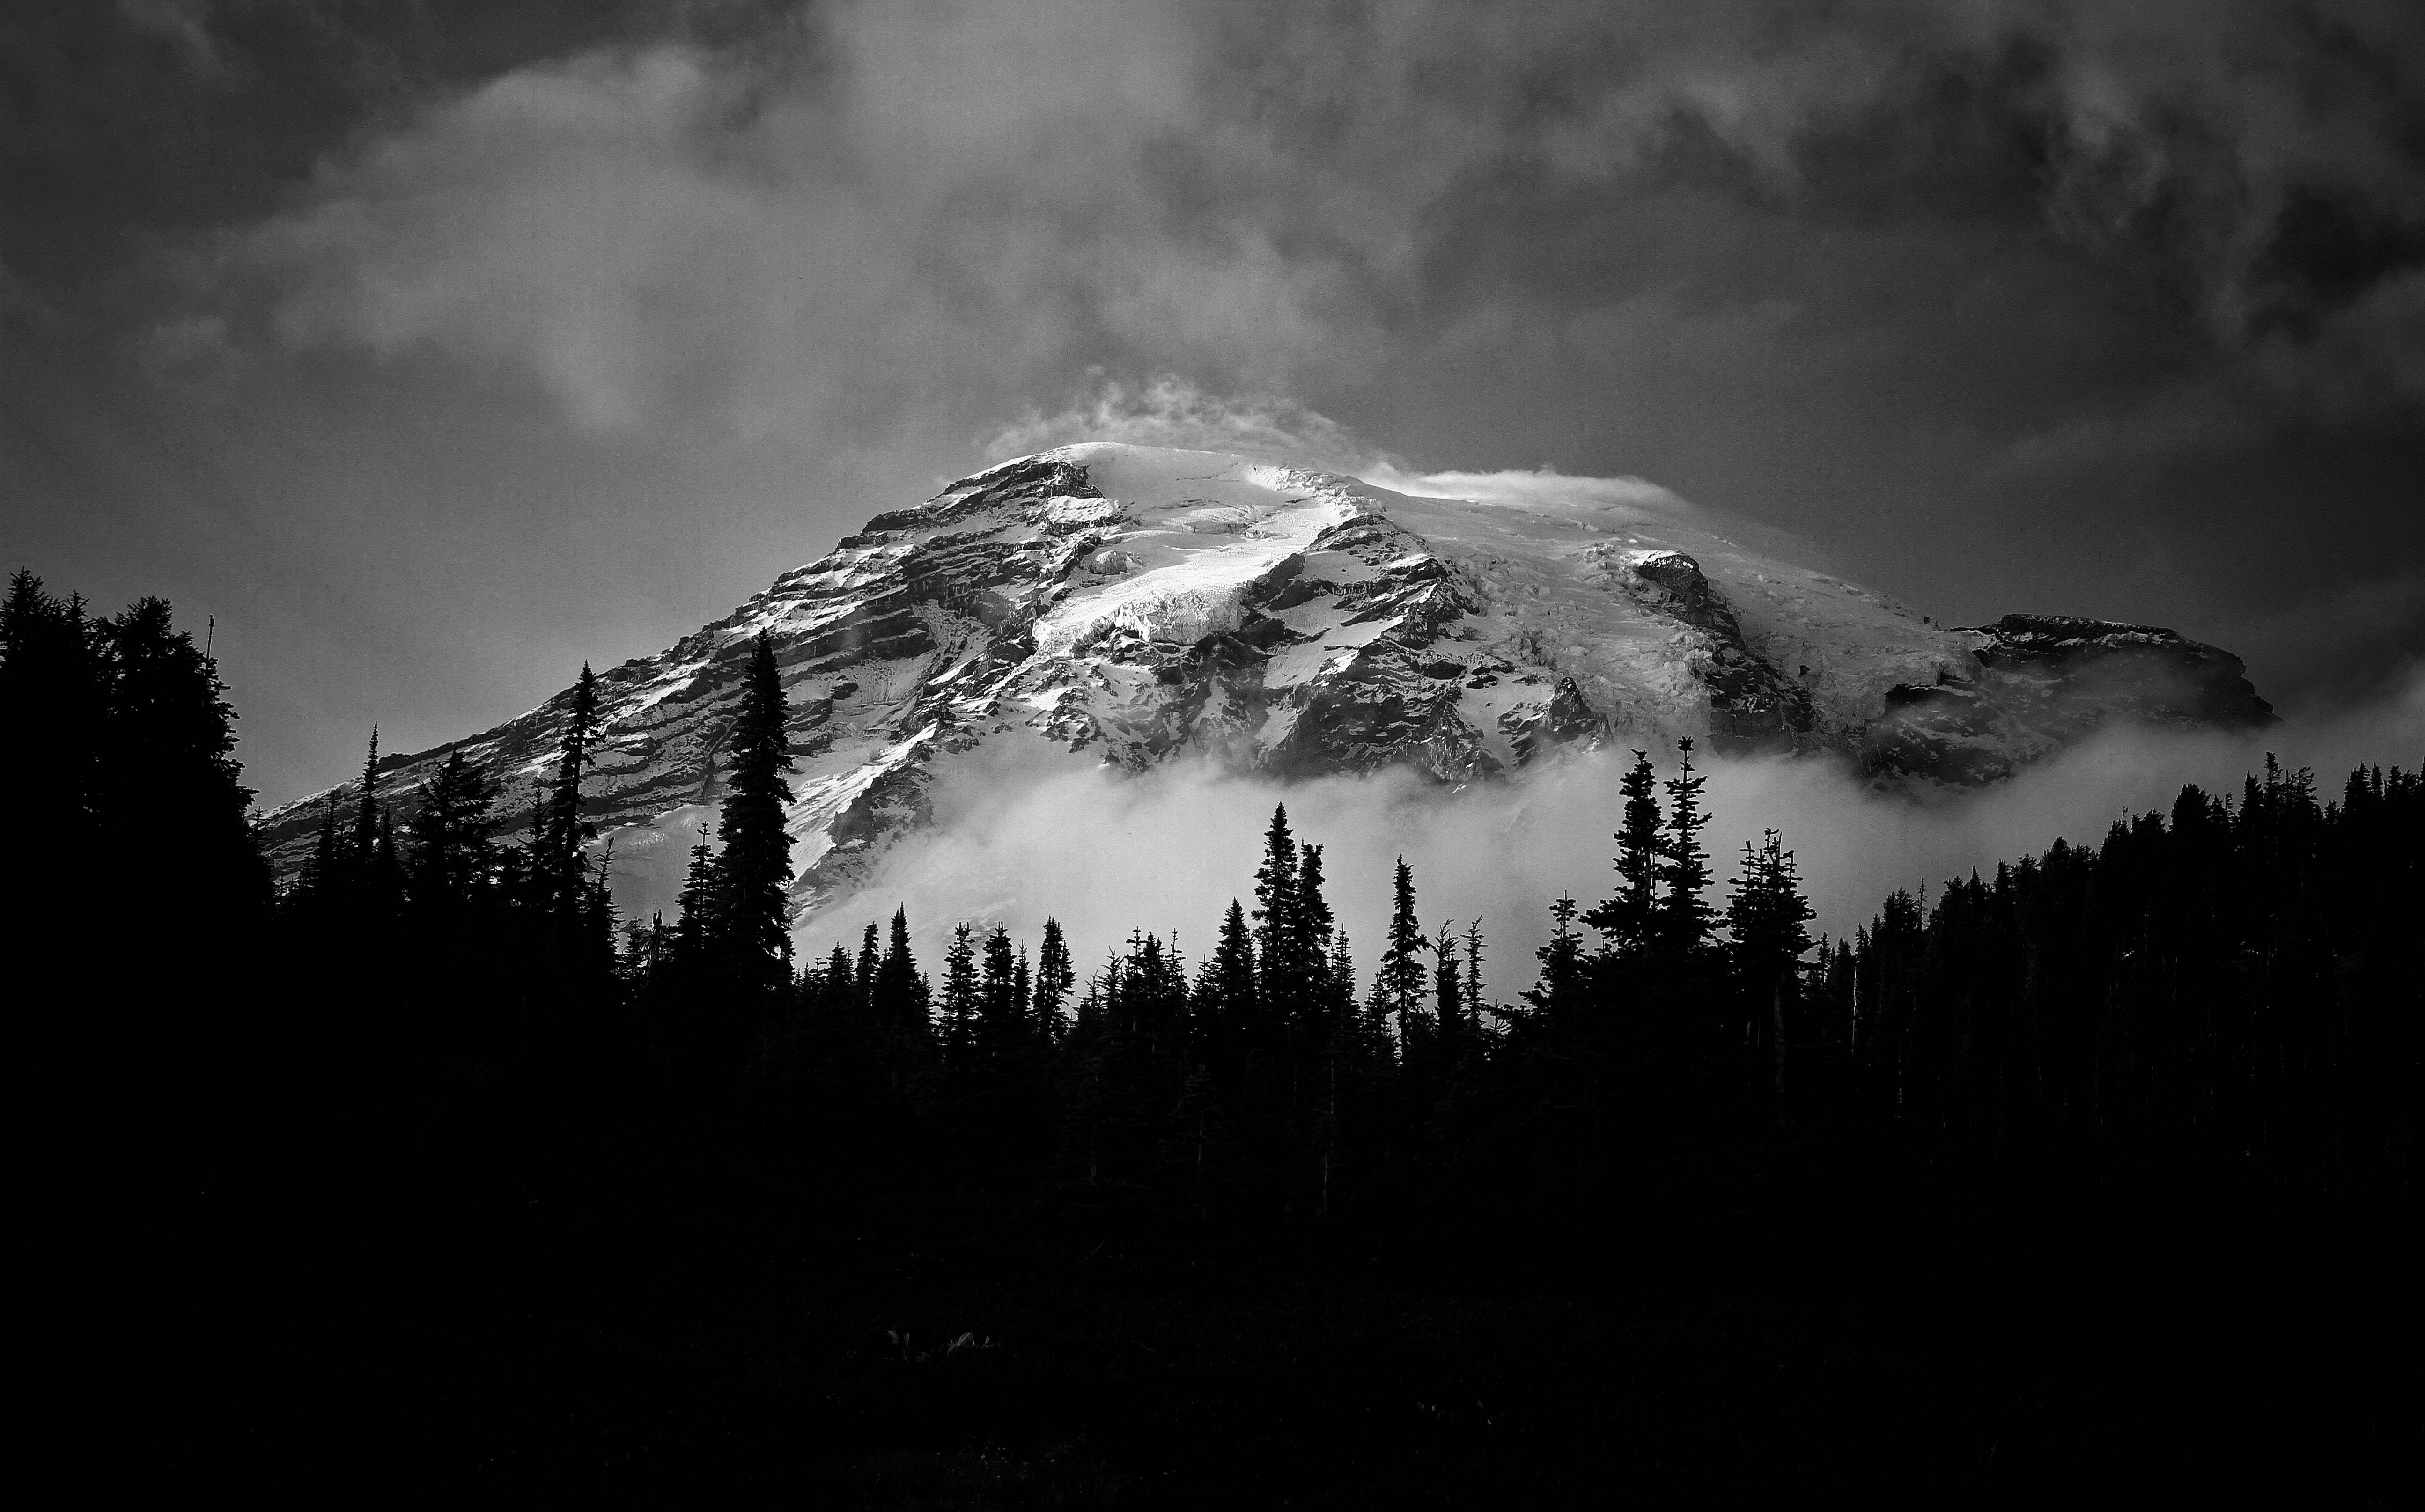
559 870
1401 981
756 862
1625 921
1684 921
1055 977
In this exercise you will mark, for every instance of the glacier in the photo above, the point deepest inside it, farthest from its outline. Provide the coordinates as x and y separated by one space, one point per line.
1123 605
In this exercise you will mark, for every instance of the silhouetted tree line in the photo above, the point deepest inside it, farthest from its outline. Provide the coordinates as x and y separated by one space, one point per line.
2220 987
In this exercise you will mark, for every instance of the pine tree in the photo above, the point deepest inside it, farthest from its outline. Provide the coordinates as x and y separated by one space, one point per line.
363 855
1276 911
900 1001
1314 920
1766 913
1557 994
557 868
1447 986
839 984
756 864
1473 974
1229 999
1000 1010
695 932
871 958
1684 922
1627 919
51 680
1055 977
171 738
959 998
451 853
1401 983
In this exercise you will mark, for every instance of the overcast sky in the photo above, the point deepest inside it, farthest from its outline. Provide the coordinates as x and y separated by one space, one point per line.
436 348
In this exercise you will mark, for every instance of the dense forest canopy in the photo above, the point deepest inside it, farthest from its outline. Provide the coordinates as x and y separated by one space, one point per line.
2219 993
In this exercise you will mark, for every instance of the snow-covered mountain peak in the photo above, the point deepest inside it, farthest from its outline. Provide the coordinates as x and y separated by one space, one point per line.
1126 603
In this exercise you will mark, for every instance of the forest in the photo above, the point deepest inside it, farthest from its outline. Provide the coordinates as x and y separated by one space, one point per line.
2097 1166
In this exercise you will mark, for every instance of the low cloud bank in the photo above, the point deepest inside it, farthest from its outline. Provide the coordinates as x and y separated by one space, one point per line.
1022 832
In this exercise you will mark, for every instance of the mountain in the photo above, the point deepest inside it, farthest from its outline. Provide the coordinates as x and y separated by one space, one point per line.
1131 602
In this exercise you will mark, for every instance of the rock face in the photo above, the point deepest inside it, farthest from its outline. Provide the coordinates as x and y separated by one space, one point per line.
2044 680
1129 603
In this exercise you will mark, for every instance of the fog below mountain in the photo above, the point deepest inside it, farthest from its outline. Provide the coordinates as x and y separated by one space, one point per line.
1021 831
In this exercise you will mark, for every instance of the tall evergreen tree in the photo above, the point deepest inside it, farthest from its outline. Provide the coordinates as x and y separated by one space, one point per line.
756 863
871 959
1626 920
1276 911
1558 993
1055 977
171 738
1000 1005
53 680
900 996
1473 974
366 820
451 853
1400 985
558 871
1684 921
1447 986
696 932
960 995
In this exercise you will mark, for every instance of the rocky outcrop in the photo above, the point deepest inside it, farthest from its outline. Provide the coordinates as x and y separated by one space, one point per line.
2041 681
1128 605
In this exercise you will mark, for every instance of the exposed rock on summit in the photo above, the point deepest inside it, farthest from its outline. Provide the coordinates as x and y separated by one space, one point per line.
1128 603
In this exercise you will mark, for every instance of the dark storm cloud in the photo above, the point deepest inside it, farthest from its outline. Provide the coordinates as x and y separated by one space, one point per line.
1289 195
2012 305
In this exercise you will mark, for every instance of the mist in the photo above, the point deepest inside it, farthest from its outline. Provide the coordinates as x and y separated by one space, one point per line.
1021 832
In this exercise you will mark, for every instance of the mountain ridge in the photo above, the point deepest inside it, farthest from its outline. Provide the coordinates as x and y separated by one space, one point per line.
1132 603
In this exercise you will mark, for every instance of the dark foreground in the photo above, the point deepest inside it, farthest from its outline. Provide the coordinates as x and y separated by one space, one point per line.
487 1330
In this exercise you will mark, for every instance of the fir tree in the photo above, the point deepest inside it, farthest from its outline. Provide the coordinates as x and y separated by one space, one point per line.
695 930
171 737
52 679
1766 913
871 958
451 855
1400 985
363 852
1055 977
1627 919
756 863
1276 911
900 997
959 998
1447 986
557 868
1228 1000
1473 974
1683 920
1558 992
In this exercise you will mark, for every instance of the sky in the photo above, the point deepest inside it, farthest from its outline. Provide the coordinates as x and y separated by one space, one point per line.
434 348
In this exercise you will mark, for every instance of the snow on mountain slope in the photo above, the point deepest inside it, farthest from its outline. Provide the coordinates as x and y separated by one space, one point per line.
1124 603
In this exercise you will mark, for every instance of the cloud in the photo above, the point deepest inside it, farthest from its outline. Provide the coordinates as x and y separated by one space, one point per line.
1023 832
1170 411
1544 487
843 213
